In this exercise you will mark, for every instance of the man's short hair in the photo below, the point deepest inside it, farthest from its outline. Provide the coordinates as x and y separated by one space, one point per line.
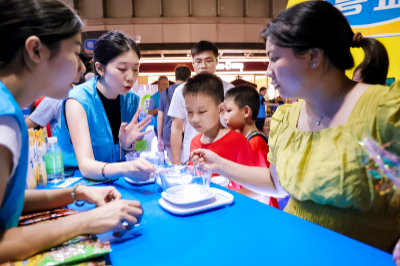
160 78
182 73
204 46
263 89
243 96
205 85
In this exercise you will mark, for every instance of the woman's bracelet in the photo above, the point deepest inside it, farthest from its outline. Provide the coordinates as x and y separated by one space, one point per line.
73 194
129 150
102 171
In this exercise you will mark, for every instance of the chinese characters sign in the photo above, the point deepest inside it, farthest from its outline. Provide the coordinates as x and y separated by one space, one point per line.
378 18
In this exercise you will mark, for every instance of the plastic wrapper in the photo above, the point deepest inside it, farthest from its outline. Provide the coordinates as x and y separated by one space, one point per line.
44 139
41 174
44 216
78 251
382 166
31 175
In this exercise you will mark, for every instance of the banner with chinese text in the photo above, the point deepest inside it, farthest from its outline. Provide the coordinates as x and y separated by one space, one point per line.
374 18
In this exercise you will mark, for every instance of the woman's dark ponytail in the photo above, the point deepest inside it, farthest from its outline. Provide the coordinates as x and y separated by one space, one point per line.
375 66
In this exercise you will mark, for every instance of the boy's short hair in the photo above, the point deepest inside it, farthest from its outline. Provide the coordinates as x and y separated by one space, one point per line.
204 46
263 89
207 85
182 72
243 96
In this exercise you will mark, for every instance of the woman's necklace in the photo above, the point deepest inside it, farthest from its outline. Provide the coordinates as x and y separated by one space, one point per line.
318 123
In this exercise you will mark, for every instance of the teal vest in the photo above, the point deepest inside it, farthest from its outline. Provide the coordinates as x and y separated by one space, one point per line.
13 200
104 149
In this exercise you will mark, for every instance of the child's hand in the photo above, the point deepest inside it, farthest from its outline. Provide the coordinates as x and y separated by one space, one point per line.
129 133
207 158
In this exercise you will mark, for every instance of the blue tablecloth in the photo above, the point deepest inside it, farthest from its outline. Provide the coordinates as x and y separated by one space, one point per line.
244 233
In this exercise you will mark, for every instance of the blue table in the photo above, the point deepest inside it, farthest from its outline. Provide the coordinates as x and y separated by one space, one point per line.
244 233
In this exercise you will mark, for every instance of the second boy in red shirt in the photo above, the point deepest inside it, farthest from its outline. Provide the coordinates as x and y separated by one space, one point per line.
242 105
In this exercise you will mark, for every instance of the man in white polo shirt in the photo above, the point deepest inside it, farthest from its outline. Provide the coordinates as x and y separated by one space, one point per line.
205 60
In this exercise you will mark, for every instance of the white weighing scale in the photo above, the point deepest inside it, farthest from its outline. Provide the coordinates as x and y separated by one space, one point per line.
139 183
214 198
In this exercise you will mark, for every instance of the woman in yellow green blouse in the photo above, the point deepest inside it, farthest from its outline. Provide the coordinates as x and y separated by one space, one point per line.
314 152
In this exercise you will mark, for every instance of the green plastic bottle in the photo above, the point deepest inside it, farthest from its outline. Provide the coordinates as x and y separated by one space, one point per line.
54 161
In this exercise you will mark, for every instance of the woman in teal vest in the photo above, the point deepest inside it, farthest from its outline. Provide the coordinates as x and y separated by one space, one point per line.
39 56
98 121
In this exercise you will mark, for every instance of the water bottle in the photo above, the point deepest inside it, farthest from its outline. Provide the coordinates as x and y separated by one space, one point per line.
54 161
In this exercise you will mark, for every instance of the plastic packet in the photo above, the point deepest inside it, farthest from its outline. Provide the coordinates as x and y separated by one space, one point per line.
68 254
31 177
44 139
44 216
384 169
41 177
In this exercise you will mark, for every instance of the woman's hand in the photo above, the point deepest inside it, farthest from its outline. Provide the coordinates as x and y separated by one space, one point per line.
111 216
97 195
129 133
207 158
396 253
140 169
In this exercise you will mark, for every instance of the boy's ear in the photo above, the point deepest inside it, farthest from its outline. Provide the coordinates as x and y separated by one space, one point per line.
247 111
222 108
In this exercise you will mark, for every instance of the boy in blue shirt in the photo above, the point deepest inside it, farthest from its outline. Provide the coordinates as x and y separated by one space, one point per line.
162 83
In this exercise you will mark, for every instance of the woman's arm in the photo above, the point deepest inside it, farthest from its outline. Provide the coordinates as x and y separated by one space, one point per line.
21 242
30 124
40 200
6 165
258 179
89 167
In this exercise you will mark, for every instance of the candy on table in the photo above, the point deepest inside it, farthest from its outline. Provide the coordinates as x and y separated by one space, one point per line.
384 169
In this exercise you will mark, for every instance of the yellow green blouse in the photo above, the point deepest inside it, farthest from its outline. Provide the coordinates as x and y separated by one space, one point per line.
324 168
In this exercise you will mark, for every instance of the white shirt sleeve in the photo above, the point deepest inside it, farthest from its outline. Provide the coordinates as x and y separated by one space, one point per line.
227 86
10 137
177 108
43 114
